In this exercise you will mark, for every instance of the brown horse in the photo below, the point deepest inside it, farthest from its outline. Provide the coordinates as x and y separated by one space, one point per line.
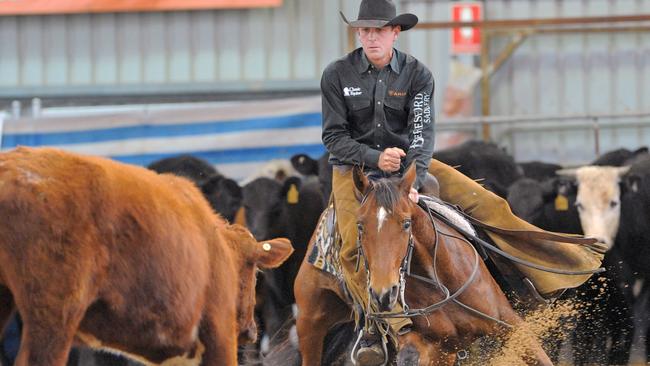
456 298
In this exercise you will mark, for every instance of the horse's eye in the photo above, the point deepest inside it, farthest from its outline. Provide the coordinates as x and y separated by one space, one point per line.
579 206
359 227
613 204
407 224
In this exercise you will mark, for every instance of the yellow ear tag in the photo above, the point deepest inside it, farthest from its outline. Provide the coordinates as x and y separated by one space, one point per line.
561 203
292 194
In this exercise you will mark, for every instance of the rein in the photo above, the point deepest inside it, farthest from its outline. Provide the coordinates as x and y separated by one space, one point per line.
469 239
405 270
484 244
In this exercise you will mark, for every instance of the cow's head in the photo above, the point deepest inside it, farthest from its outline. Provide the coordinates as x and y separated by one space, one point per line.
598 200
224 195
307 166
264 202
253 255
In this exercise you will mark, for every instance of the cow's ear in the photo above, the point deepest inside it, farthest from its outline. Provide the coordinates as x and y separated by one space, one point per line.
273 253
564 186
291 190
549 189
231 187
304 164
408 179
360 182
211 184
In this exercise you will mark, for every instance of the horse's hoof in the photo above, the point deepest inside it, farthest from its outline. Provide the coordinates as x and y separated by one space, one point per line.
372 355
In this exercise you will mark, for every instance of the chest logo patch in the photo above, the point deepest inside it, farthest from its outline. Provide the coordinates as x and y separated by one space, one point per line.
396 93
351 91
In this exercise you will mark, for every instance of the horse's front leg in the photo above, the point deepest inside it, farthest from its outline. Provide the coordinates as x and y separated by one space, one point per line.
318 310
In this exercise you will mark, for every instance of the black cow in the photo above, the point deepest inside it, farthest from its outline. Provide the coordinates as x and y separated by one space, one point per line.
290 209
224 194
634 232
483 160
606 313
538 170
620 157
321 168
633 237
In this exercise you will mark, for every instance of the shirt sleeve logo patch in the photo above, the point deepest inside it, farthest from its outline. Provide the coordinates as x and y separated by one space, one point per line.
396 93
351 91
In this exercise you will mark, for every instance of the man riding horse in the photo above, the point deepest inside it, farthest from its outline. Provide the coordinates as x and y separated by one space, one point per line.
377 114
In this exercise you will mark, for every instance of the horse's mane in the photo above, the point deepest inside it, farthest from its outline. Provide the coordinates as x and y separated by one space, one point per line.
386 192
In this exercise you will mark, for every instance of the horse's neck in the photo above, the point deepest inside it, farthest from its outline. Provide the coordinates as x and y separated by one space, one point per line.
423 230
425 237
449 251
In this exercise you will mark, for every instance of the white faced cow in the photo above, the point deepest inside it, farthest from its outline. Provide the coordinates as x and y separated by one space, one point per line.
598 200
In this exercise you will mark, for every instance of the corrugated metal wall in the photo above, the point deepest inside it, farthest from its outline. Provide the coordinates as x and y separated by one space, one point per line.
573 73
223 50
578 73
291 43
286 48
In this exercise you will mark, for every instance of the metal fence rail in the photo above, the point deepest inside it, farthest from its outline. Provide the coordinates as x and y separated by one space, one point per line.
565 139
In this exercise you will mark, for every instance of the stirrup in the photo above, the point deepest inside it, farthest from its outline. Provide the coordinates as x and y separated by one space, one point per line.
538 296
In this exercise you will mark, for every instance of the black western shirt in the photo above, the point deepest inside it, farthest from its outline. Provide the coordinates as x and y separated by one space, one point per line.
366 110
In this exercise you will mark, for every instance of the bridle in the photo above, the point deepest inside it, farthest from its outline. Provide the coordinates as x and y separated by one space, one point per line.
467 238
405 270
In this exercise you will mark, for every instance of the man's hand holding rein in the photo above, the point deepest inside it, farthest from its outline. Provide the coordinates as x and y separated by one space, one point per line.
390 159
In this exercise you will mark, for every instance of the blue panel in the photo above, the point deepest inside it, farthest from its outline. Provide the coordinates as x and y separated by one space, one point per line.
149 131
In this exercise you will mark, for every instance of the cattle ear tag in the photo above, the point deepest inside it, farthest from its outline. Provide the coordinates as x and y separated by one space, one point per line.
292 194
561 203
266 247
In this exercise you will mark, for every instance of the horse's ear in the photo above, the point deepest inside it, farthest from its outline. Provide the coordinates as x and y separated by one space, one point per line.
408 179
360 182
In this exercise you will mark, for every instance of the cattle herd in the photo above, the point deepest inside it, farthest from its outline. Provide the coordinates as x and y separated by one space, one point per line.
98 253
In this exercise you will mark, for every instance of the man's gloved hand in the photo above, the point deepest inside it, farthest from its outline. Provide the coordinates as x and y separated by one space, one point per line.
389 159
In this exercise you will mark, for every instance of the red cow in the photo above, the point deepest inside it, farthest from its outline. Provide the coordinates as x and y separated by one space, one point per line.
116 256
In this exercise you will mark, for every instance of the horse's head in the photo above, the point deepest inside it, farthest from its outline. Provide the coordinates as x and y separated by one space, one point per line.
384 224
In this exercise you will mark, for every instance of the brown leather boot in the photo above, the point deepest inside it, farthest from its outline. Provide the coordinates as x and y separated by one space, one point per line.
370 351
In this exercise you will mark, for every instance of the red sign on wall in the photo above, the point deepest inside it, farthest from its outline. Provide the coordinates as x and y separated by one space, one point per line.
466 40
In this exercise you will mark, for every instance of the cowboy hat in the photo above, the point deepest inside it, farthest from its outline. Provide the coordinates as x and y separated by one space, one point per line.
380 13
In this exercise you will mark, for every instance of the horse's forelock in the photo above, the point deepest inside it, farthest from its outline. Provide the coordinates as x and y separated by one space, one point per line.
386 193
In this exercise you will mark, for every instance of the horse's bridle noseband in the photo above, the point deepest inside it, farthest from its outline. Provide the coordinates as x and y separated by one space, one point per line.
405 270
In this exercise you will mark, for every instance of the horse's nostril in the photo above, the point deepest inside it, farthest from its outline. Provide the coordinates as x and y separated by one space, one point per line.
387 299
394 292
